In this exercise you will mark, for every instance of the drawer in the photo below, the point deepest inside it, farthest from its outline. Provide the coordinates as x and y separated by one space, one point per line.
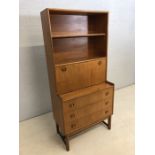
75 76
88 120
93 98
88 110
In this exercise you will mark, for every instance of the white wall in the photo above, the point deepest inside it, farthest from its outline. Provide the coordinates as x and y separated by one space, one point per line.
34 89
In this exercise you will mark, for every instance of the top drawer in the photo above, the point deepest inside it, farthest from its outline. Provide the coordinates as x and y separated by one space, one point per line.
74 76
83 101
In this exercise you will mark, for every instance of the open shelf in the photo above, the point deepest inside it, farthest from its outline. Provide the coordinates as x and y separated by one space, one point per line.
75 49
75 34
77 60
64 26
78 37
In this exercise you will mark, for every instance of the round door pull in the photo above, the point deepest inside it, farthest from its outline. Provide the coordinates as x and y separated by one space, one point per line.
73 125
99 62
106 111
63 68
72 115
71 105
107 93
106 103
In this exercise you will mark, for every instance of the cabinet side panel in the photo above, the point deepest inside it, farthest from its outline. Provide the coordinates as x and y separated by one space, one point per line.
56 103
106 20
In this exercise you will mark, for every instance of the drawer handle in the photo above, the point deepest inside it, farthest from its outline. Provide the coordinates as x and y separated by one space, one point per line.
107 93
106 103
71 105
99 62
72 115
63 69
106 111
73 126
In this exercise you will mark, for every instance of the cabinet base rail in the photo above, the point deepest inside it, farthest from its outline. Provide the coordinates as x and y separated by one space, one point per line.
65 138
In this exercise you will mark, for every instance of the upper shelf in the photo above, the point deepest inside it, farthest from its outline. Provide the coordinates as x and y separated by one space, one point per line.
75 34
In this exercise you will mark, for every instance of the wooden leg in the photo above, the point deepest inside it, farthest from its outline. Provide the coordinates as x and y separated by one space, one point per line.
67 143
57 128
65 139
109 123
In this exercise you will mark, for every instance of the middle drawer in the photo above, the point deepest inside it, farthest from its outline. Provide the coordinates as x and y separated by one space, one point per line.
94 98
87 110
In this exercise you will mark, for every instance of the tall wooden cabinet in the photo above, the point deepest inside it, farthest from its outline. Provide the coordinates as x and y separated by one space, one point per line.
76 54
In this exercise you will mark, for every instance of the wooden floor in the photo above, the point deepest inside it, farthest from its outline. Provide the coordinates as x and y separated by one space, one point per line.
38 135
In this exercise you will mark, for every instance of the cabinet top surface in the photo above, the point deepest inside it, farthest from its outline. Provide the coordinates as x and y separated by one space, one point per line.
66 11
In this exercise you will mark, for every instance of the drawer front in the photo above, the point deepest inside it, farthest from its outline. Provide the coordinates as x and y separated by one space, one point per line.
83 101
80 75
87 110
88 120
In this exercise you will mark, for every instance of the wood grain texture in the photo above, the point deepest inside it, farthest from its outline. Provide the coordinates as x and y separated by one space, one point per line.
75 12
87 120
76 48
80 75
56 104
75 34
84 110
86 91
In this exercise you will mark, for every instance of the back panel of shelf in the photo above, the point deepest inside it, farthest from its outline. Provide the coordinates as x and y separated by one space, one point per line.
86 24
74 49
78 36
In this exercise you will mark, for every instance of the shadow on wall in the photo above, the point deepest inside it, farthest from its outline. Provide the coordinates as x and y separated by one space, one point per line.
34 88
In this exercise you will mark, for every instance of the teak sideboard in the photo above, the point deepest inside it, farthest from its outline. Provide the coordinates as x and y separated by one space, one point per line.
76 53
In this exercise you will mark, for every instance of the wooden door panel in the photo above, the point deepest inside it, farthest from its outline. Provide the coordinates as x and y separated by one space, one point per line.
74 76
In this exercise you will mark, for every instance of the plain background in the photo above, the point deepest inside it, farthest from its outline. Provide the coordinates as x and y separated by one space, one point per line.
34 89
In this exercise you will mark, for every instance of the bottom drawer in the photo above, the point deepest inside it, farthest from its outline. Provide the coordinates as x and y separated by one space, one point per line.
85 121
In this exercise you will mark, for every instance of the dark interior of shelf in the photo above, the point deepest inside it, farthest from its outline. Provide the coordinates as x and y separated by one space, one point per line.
70 49
78 37
72 25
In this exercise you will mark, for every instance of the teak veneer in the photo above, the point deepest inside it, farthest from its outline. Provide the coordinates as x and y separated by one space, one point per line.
76 53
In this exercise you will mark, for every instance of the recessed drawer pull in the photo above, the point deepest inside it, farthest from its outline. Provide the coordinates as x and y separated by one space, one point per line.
71 105
72 115
73 126
107 93
99 62
63 68
106 111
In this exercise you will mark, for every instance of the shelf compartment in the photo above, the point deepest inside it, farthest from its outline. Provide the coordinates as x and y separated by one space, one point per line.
75 34
76 49
78 25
